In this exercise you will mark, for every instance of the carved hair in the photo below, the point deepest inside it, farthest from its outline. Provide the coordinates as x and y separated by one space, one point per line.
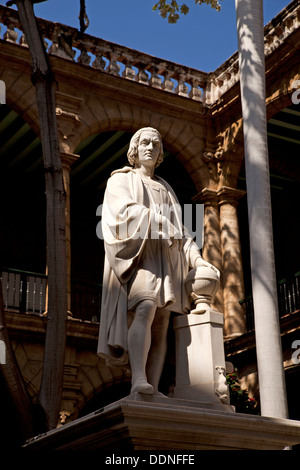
134 142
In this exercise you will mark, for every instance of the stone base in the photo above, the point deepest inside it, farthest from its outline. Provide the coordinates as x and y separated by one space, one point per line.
166 400
200 358
140 422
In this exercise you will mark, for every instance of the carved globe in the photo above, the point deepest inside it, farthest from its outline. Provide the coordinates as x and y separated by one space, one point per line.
202 284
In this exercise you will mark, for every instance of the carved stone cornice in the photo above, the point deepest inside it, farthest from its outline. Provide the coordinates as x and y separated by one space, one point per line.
224 195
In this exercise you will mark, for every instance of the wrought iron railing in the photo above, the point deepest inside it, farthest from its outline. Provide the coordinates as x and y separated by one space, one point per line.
289 294
288 300
26 291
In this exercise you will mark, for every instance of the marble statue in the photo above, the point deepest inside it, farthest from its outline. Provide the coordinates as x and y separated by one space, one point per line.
148 255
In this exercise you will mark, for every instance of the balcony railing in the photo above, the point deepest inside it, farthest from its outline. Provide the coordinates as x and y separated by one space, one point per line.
114 59
26 292
288 300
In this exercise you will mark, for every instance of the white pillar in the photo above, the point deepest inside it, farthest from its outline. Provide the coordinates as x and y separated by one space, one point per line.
272 390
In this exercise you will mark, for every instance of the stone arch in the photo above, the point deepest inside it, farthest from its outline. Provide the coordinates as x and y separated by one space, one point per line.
283 100
22 193
186 150
279 93
29 356
105 395
184 139
87 270
99 384
21 97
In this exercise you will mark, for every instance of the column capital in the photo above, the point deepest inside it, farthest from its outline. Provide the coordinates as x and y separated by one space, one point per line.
227 195
207 196
67 159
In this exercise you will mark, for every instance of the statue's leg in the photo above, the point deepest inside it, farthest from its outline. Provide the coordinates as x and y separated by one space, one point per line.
139 342
158 350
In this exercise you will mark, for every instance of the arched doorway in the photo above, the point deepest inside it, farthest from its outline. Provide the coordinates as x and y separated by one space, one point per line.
23 210
100 154
283 146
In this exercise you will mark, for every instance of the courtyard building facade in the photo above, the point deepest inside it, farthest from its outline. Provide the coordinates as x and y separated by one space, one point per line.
104 93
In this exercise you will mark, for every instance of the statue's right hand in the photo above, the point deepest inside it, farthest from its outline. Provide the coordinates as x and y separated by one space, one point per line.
171 233
176 242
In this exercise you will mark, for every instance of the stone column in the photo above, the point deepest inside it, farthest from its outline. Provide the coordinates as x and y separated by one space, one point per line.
67 159
212 237
232 268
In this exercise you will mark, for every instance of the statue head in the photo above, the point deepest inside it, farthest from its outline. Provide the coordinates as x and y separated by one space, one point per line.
134 142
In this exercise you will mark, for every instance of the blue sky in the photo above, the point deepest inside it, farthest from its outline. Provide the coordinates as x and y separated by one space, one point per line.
203 39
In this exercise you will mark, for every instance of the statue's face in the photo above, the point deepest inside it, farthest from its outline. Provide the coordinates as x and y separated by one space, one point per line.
148 148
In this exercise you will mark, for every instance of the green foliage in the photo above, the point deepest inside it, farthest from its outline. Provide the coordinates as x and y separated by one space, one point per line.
240 398
171 9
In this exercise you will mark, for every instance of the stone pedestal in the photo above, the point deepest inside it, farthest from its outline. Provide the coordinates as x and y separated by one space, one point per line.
141 422
200 359
197 417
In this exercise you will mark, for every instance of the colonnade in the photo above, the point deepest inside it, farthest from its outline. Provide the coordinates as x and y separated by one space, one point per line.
222 248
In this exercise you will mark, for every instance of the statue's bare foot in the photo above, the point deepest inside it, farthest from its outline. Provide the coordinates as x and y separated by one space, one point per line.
142 386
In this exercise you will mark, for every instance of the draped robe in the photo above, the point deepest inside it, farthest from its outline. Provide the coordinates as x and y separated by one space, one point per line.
129 221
